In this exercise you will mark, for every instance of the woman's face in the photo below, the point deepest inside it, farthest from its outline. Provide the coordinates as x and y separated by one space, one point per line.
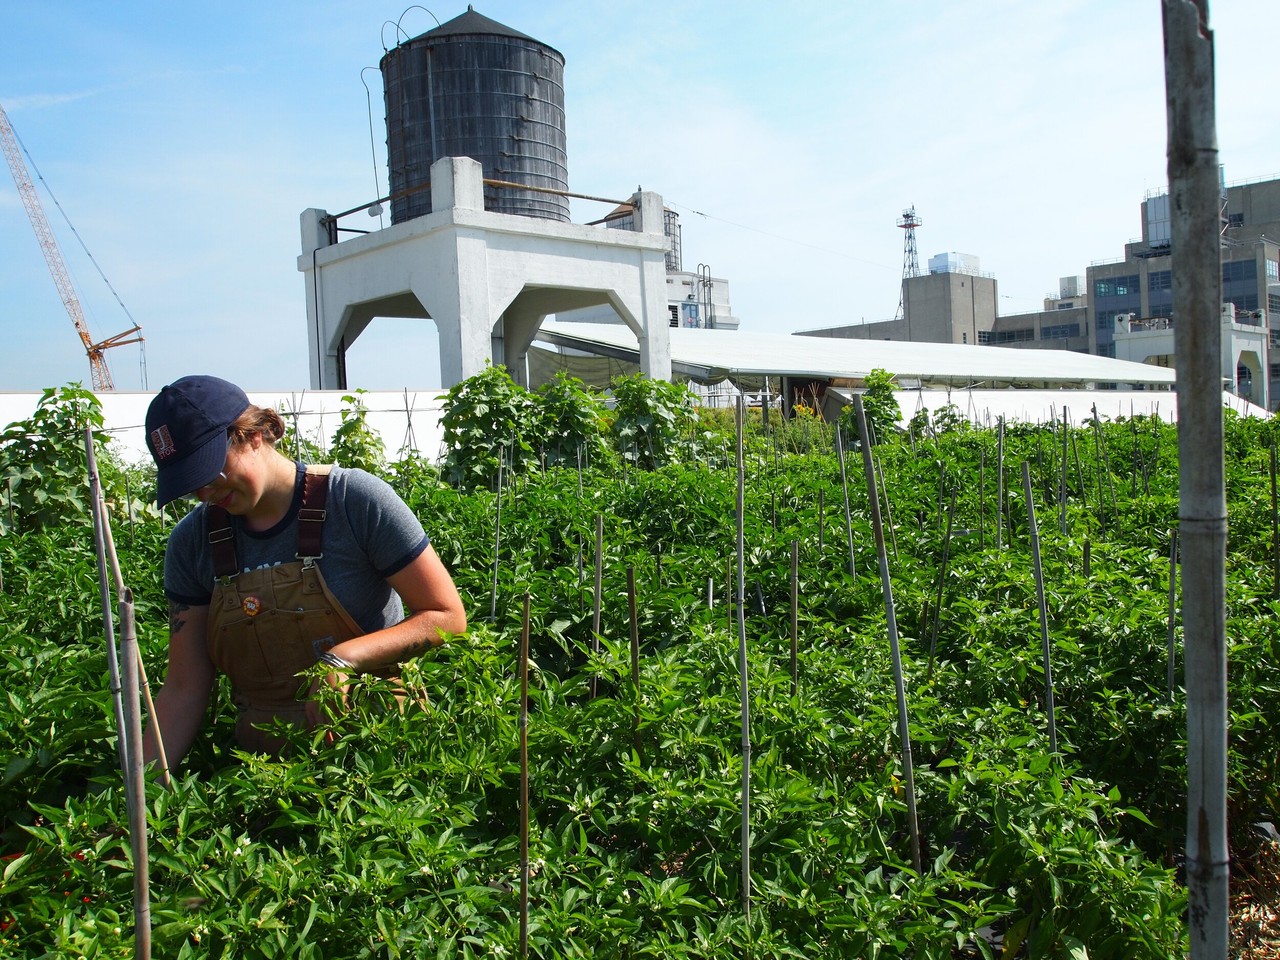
239 487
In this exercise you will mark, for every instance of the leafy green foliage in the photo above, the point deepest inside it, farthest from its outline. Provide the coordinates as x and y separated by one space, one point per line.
488 419
401 838
653 420
43 460
879 403
573 423
355 443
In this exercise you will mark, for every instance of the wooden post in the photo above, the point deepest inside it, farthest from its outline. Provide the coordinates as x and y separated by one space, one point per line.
904 725
795 616
524 779
598 600
844 484
1195 202
1044 612
634 623
744 687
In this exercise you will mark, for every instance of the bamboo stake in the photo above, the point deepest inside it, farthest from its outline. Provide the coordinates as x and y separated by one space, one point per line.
888 508
124 690
1062 482
1195 198
1136 466
904 726
1104 461
1173 609
113 562
822 521
1044 612
634 622
1000 484
497 543
730 592
744 691
524 779
123 746
1088 558
795 616
1275 532
1080 484
135 783
1097 452
982 498
597 602
942 579
844 485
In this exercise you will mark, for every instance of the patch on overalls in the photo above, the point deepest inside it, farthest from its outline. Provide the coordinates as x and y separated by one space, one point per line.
251 605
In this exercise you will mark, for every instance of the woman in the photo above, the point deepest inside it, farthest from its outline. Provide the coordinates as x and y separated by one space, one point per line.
277 568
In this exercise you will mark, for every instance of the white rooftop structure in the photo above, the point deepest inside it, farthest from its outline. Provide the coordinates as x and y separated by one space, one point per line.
485 279
709 356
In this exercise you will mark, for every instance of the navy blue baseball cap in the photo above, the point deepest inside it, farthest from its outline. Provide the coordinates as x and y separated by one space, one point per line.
187 433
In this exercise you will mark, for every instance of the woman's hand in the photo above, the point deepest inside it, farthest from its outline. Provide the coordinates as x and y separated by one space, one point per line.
327 699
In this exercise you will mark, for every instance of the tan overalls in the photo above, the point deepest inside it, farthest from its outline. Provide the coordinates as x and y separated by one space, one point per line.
267 625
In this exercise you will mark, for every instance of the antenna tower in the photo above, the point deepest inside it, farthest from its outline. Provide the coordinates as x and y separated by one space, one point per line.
910 258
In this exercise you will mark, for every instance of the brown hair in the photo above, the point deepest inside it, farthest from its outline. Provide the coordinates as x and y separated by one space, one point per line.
255 419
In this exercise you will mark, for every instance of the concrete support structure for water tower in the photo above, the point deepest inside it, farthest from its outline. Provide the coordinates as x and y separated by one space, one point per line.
487 280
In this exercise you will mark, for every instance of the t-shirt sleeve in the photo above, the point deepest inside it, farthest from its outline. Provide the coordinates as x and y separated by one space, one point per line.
183 582
392 536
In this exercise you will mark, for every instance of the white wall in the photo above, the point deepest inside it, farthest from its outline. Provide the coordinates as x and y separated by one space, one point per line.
318 415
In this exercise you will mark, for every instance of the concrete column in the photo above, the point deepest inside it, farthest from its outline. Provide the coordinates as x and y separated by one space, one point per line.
655 333
519 328
457 182
322 367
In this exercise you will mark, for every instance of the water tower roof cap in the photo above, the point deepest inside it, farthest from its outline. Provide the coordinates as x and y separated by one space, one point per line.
472 24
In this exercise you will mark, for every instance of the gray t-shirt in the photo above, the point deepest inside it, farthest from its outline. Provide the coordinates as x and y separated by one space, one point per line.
369 534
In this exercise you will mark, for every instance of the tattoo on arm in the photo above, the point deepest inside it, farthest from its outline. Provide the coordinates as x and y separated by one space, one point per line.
177 618
420 646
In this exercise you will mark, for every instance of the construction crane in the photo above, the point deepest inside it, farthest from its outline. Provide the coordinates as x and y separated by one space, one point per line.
101 376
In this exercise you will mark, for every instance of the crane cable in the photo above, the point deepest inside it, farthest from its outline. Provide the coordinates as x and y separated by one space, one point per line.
47 189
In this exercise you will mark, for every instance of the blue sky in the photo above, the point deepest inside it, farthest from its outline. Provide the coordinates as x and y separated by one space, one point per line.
183 141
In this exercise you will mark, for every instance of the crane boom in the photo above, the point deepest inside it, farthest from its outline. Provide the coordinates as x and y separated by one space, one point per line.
100 375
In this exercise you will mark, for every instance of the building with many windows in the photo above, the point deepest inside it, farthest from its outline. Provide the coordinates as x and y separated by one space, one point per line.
955 303
1136 292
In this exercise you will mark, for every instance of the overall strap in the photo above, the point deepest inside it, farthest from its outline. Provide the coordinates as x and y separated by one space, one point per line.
311 515
222 542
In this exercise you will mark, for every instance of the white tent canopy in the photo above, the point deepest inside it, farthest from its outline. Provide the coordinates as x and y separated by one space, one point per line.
709 356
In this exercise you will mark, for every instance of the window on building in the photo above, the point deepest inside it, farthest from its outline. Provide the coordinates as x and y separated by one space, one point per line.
984 336
1013 336
1235 220
1060 331
1245 303
1273 303
1116 286
1234 270
1273 270
1160 280
1066 306
1107 350
674 310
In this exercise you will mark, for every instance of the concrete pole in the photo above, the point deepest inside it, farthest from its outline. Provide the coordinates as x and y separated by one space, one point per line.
1195 202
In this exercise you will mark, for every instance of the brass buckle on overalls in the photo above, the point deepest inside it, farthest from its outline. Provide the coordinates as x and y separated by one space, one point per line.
309 515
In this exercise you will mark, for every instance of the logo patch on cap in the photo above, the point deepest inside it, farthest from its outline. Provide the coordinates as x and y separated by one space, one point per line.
162 442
